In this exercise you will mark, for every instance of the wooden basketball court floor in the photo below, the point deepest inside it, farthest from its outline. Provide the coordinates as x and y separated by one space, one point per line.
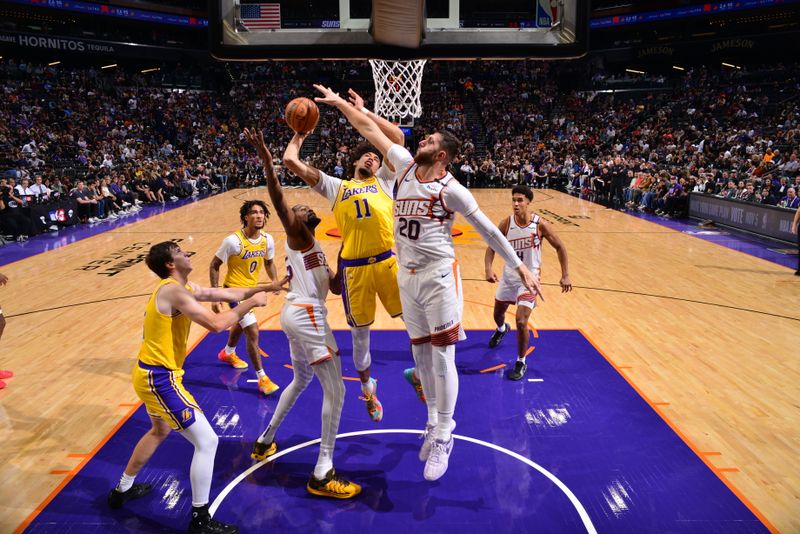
706 335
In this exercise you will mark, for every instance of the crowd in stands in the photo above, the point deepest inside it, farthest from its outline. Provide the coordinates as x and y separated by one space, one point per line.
113 140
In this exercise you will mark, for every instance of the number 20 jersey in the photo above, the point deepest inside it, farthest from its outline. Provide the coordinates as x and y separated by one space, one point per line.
424 213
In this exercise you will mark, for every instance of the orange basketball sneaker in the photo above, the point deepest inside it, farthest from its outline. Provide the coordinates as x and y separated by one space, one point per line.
267 386
232 359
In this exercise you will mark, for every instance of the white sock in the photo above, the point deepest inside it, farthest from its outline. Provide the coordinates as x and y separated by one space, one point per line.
433 415
322 467
521 359
502 328
260 373
229 350
125 482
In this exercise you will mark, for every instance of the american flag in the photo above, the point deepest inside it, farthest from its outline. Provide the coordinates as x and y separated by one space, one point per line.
261 16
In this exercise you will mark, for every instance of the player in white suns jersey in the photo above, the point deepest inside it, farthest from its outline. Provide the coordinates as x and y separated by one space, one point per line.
525 232
427 198
312 347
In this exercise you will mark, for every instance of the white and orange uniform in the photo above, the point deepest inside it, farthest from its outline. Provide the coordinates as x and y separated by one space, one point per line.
304 315
527 243
429 276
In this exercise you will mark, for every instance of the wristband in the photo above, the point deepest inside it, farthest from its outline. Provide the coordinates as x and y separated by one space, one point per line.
364 110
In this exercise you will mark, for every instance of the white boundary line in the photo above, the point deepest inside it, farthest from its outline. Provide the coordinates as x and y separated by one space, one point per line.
584 515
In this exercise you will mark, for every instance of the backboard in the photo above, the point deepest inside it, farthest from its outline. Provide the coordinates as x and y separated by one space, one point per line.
453 29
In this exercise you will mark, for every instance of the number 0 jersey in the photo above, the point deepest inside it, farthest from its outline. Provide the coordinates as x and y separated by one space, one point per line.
363 212
245 257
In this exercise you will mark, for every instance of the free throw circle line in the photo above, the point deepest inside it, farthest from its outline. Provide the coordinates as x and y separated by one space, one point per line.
584 515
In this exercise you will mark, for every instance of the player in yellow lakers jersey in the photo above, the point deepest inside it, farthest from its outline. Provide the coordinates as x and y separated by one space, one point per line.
158 375
245 252
362 207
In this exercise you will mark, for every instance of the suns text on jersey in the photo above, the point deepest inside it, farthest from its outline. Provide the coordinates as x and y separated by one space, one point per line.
411 207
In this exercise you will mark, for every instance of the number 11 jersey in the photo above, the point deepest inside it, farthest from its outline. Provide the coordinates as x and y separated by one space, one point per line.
363 212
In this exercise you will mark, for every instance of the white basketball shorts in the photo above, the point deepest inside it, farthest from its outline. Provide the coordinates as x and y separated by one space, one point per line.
433 302
511 291
305 324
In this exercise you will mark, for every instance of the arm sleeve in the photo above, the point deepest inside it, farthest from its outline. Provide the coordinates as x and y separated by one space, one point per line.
400 158
493 237
229 247
328 186
270 247
458 198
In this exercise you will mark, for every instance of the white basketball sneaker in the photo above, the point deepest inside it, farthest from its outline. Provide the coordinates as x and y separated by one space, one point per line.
436 466
428 437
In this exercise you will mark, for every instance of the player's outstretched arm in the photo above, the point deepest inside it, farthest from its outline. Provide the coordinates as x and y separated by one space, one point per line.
298 237
390 129
561 250
180 299
291 158
356 118
236 294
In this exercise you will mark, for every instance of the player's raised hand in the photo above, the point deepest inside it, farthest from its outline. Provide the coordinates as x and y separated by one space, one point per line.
530 281
256 138
355 99
328 96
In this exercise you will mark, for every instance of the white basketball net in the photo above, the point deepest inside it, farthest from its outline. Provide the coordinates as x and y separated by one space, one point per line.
398 85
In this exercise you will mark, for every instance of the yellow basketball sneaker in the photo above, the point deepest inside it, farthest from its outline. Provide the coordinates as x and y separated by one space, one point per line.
262 451
332 486
232 359
267 386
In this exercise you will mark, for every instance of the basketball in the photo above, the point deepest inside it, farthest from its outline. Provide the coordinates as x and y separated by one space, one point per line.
302 115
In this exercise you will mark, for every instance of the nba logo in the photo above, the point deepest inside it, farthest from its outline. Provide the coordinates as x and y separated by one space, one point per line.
547 13
186 414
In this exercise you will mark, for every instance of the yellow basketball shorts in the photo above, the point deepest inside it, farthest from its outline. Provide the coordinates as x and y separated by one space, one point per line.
164 396
360 285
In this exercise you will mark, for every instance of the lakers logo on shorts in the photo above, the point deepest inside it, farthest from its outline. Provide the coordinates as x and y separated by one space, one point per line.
186 415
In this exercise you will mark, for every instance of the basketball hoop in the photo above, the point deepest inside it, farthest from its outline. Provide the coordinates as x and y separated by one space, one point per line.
398 85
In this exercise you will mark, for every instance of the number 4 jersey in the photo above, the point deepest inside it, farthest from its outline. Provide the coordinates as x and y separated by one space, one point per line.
245 257
363 212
